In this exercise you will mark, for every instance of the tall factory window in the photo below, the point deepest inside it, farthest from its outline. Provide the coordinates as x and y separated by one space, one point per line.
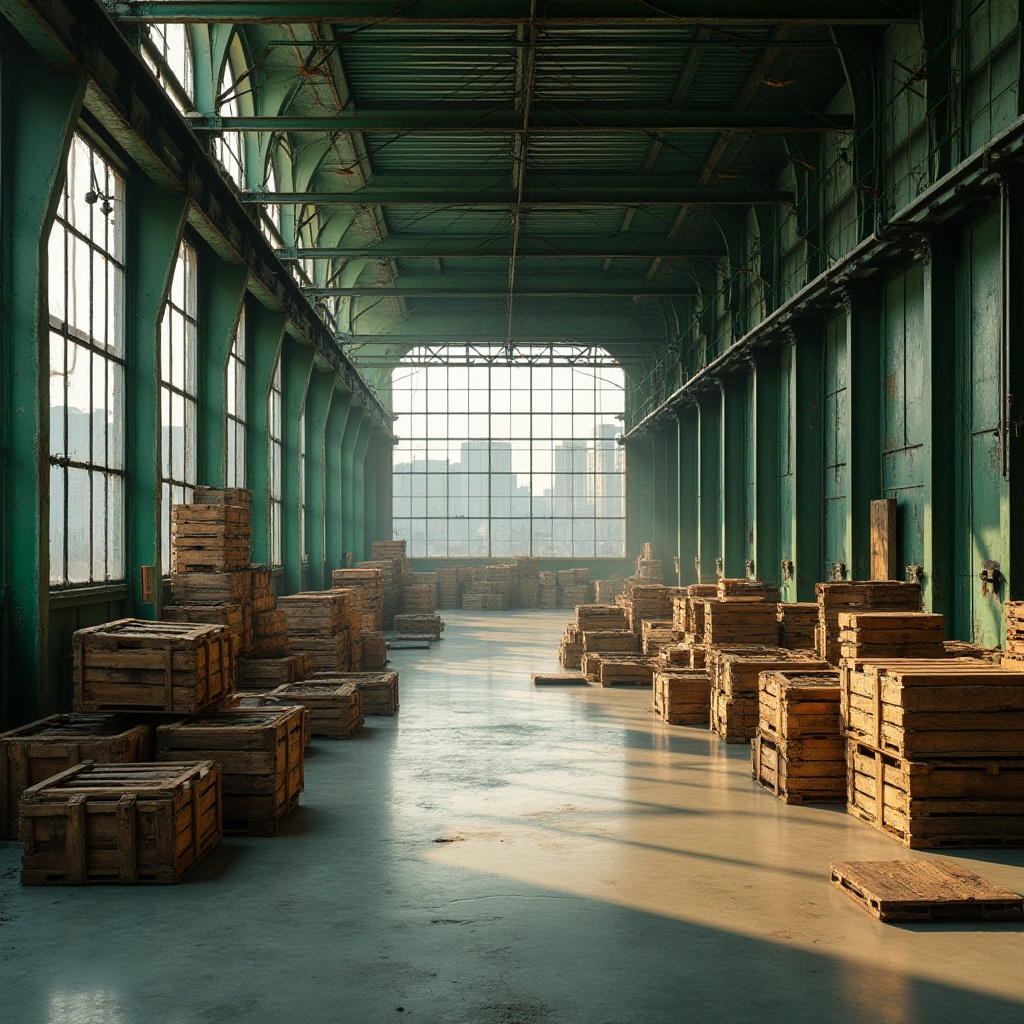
236 414
169 56
86 306
228 146
495 461
275 495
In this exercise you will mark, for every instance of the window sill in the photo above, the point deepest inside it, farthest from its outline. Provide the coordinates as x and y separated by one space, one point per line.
98 593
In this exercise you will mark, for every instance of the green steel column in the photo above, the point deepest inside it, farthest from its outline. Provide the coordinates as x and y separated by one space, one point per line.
639 472
353 428
266 335
334 437
864 433
733 454
38 128
221 294
359 490
659 496
385 487
318 407
670 526
803 534
940 276
709 468
155 223
767 465
295 377
687 431
1012 399
371 481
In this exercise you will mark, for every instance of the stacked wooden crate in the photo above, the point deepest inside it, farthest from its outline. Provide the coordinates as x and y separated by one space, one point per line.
265 673
420 625
601 617
260 753
211 537
798 624
755 590
334 707
121 823
547 590
1014 656
648 565
606 591
369 585
862 596
317 622
735 694
625 669
140 665
654 635
378 690
570 650
610 641
527 571
448 587
799 752
647 601
682 696
36 752
736 621
935 750
419 599
883 635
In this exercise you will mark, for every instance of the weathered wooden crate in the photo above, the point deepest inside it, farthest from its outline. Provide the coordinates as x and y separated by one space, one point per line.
230 615
570 655
796 702
420 624
210 538
264 699
204 495
122 823
139 665
35 752
797 623
335 709
611 641
737 621
938 708
626 670
938 802
600 617
936 889
379 690
858 596
259 751
212 588
654 635
257 673
682 696
805 770
891 635
734 718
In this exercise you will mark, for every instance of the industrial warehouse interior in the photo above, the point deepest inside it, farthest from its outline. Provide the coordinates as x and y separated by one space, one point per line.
512 511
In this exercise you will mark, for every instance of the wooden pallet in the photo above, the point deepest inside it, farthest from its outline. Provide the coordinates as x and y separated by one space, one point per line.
35 752
259 751
125 823
937 889
542 679
938 803
140 665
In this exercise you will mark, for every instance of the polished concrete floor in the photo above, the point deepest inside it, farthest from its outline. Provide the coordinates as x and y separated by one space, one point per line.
498 854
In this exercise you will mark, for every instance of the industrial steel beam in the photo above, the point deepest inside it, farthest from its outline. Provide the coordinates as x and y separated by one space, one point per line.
477 119
445 288
358 342
446 248
536 197
570 14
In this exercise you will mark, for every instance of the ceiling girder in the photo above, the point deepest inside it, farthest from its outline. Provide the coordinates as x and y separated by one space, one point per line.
474 119
446 248
570 13
534 197
451 288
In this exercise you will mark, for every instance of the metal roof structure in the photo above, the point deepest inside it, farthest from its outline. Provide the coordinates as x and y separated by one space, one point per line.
526 169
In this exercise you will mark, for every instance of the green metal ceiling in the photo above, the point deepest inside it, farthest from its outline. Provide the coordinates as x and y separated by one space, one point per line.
524 169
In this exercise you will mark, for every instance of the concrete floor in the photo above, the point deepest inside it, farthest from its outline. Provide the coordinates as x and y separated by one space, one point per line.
498 854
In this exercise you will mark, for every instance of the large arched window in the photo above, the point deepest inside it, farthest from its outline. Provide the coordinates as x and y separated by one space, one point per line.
168 52
498 460
228 147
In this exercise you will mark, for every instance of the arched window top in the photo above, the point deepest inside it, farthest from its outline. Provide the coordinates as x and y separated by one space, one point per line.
228 148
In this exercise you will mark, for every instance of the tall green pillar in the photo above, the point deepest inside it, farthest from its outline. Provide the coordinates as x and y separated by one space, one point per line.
221 295
266 334
733 455
709 455
38 129
318 408
864 432
298 366
687 432
767 465
359 489
353 428
334 438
